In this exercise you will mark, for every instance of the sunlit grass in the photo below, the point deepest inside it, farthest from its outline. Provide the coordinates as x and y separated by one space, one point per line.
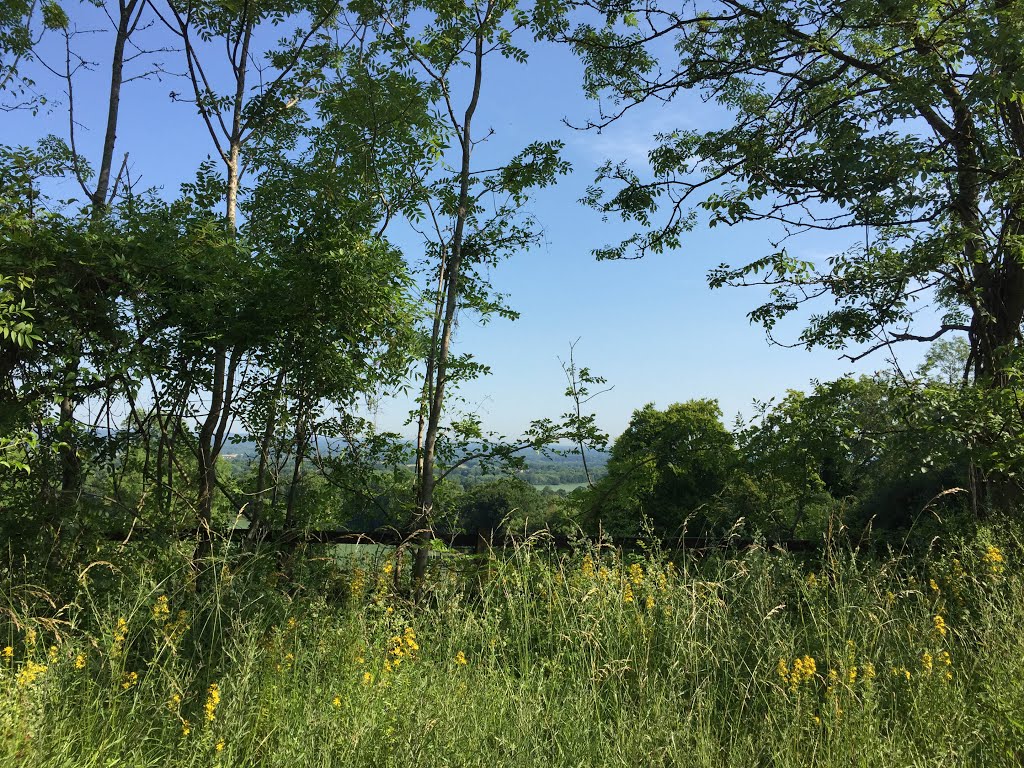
739 659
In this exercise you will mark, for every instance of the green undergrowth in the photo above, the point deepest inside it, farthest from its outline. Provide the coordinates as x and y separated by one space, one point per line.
753 658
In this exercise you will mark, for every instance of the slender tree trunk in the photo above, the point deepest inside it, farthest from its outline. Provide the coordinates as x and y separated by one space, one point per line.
71 465
300 455
207 455
128 20
269 430
440 354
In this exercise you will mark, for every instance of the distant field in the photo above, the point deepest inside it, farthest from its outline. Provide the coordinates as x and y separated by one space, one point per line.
561 487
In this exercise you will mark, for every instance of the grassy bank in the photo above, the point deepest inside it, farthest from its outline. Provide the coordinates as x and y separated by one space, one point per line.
739 659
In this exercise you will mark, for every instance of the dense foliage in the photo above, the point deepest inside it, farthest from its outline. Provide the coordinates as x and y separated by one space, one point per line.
186 374
535 659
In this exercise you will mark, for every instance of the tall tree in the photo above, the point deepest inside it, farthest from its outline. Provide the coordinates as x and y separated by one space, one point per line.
238 116
664 469
899 123
472 214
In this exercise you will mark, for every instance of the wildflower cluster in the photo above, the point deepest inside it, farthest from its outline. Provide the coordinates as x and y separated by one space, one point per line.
212 700
173 629
120 634
29 673
942 661
587 567
401 647
993 558
358 584
803 669
161 609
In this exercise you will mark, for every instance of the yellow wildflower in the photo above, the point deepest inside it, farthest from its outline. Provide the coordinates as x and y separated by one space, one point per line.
627 594
175 630
901 672
129 680
220 746
833 681
368 677
636 574
30 637
783 669
933 585
804 668
649 602
186 727
926 661
358 583
851 675
940 624
812 579
161 609
993 557
869 671
410 639
175 703
336 702
8 652
52 654
30 673
80 661
387 568
212 700
292 623
460 658
587 567
120 633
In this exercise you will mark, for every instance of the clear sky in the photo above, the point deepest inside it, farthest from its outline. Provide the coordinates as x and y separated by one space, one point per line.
653 328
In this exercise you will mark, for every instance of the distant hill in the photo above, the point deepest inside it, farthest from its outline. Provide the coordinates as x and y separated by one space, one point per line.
558 468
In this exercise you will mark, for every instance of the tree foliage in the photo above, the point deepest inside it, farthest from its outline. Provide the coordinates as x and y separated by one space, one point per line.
898 127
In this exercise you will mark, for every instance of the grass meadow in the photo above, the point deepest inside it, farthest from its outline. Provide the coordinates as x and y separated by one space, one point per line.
531 658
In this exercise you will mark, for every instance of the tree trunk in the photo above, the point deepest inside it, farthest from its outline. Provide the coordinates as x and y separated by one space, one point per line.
437 362
208 456
71 465
269 430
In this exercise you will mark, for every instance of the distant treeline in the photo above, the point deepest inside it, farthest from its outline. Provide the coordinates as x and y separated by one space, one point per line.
553 468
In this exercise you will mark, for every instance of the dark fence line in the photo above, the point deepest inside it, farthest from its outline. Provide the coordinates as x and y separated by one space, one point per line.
480 541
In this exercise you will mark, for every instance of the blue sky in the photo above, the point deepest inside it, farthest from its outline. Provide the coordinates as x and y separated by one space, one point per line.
653 328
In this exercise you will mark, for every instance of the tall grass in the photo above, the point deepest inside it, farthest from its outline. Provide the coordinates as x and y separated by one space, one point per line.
737 659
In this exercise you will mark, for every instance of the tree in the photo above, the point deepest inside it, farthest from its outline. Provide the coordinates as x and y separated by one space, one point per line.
20 32
859 447
502 502
472 215
900 124
665 468
175 321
